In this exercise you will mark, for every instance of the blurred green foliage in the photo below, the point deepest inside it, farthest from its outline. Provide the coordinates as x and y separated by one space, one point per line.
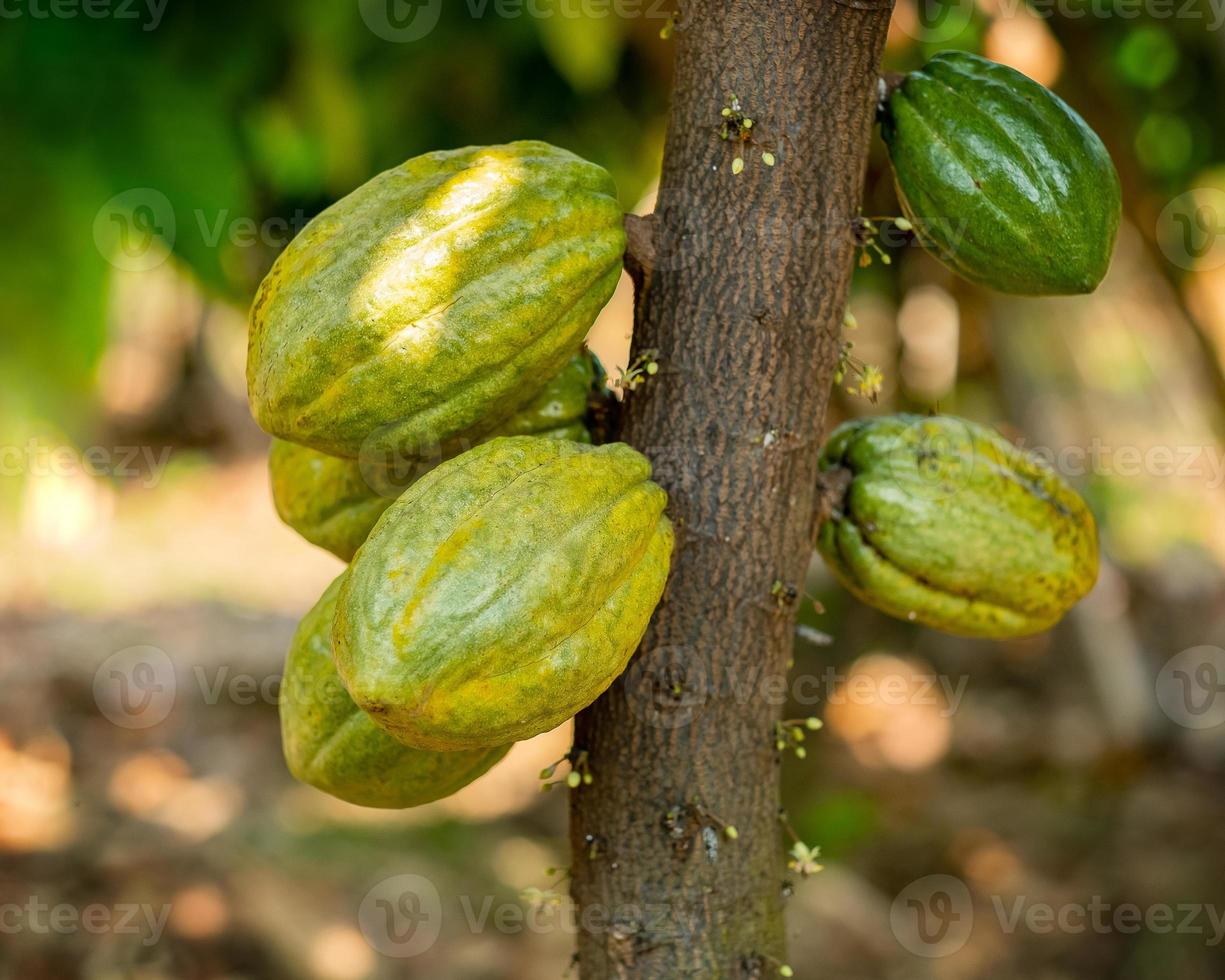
225 126
240 121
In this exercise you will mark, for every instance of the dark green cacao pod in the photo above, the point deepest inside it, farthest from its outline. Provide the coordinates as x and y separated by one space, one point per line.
941 521
1002 181
436 299
334 502
331 745
503 592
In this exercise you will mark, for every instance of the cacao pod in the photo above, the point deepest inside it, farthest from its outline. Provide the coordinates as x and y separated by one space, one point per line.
559 409
436 299
503 592
331 744
326 499
943 522
334 502
558 412
1001 179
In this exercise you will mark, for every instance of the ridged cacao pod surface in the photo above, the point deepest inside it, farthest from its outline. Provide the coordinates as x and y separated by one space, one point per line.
503 592
436 299
334 502
329 743
1001 179
559 409
326 499
943 522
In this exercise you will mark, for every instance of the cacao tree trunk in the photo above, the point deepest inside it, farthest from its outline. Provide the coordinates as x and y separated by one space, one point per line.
743 281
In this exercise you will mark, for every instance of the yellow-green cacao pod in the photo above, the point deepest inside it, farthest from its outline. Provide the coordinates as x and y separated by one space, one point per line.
334 502
503 592
558 412
943 522
1001 179
435 300
331 744
326 499
560 407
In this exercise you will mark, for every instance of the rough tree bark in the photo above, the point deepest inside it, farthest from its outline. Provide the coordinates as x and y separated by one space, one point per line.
742 283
